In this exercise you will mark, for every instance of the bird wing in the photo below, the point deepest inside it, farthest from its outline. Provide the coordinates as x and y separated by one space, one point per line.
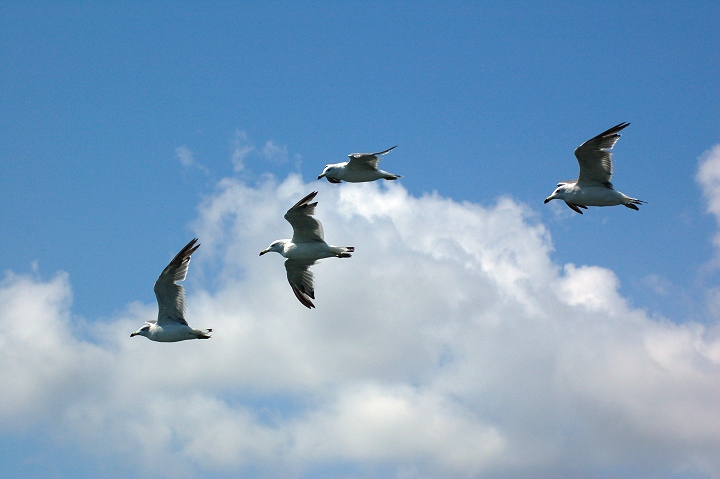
170 295
366 161
301 280
306 229
595 158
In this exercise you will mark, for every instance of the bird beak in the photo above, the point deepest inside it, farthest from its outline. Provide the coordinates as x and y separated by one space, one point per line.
547 199
133 334
263 252
320 177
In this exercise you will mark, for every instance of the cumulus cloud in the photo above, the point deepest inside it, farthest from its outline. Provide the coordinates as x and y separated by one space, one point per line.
449 345
37 351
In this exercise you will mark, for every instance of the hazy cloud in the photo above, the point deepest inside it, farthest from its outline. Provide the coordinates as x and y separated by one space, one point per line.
271 152
449 345
185 155
241 149
187 159
709 178
275 153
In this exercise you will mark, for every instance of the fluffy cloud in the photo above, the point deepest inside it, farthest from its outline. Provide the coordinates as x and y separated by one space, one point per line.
449 345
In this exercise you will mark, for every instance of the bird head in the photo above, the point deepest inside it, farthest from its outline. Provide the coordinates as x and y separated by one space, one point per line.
329 173
324 172
559 192
276 246
144 331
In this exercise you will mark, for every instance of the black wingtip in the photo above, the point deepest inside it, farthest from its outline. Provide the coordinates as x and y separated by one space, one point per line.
187 251
386 151
614 130
191 244
305 200
302 297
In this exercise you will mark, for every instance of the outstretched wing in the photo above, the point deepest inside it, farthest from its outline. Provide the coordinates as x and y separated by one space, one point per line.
171 296
306 229
595 158
301 280
366 161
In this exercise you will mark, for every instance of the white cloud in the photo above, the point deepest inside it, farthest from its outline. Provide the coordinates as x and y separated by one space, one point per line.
449 345
270 152
187 159
40 359
709 178
275 153
241 149
185 155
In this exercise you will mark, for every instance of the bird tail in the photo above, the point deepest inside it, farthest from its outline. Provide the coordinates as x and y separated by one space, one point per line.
204 333
344 251
393 177
633 203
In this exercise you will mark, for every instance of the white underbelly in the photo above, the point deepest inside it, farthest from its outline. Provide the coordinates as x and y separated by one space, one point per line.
171 333
597 196
360 176
308 251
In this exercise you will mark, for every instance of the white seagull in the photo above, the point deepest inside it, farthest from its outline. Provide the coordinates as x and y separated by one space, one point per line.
593 187
171 325
362 167
306 247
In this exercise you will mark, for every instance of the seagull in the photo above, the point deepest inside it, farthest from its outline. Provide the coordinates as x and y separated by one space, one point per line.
593 187
362 167
171 325
306 247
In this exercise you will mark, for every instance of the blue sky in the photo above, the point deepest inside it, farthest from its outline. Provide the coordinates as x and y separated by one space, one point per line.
128 128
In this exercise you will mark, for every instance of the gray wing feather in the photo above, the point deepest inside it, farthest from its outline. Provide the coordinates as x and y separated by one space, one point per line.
366 161
171 296
595 159
306 229
301 280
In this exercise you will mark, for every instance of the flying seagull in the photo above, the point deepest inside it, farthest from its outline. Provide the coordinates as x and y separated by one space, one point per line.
306 247
361 167
593 187
171 325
